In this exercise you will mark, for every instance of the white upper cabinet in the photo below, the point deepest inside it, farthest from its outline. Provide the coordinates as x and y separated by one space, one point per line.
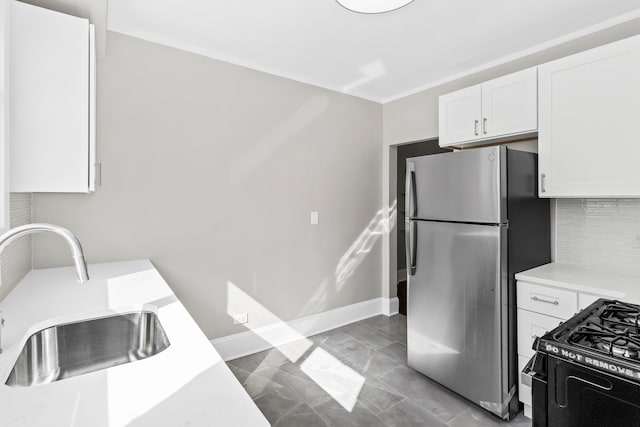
53 101
498 108
589 132
460 115
509 104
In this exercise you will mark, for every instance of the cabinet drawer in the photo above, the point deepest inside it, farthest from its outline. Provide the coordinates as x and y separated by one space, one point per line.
585 300
524 392
531 325
551 301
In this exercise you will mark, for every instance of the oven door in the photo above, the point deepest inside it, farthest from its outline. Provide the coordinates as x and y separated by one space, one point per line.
579 396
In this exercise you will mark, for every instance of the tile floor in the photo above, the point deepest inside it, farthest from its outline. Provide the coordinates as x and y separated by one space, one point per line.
355 375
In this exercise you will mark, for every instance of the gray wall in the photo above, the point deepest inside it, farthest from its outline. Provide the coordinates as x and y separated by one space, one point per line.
211 171
16 260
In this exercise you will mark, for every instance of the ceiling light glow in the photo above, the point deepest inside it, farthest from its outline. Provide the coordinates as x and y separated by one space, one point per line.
373 6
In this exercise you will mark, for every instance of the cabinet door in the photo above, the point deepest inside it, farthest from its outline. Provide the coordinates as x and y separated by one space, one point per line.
50 106
459 116
532 325
510 104
589 127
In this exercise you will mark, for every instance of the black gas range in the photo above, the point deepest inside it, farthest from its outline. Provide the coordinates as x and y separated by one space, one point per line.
586 372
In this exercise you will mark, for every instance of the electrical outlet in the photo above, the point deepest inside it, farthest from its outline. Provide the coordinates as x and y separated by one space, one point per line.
315 218
240 318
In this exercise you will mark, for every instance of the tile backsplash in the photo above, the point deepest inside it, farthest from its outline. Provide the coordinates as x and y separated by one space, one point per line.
16 259
599 233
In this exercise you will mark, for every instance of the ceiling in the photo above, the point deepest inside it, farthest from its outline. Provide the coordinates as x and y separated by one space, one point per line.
379 57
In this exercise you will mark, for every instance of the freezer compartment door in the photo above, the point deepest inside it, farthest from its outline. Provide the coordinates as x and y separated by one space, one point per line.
466 186
455 312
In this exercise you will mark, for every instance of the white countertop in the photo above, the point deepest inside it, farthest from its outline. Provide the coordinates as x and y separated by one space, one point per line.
582 279
186 384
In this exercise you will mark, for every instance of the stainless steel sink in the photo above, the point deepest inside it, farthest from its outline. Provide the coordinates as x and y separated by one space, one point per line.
71 349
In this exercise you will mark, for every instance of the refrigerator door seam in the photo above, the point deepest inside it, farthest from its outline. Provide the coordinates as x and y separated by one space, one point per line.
490 224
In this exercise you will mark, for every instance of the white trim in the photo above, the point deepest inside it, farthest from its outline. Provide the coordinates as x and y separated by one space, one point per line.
390 306
252 341
601 26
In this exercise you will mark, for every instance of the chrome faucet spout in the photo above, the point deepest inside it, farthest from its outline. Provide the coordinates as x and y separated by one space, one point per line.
72 241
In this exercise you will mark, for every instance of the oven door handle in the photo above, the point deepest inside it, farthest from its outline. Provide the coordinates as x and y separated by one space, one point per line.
526 376
535 366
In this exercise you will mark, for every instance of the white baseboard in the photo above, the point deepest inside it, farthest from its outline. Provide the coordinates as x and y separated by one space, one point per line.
390 306
253 341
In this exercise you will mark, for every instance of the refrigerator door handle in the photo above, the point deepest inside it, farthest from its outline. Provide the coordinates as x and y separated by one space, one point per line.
413 196
413 226
412 249
411 207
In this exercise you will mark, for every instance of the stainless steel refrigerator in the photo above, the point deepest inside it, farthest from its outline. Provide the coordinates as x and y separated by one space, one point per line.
473 220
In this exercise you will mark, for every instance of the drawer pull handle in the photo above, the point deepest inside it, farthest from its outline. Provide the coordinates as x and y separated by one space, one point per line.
554 302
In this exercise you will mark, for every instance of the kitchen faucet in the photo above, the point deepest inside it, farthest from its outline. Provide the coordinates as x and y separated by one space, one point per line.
74 244
72 241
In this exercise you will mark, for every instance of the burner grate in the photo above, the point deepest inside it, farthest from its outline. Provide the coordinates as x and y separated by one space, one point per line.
614 332
604 336
622 313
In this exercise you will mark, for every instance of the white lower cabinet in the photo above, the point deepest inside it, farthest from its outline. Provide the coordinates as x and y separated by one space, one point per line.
540 309
553 302
585 300
530 326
